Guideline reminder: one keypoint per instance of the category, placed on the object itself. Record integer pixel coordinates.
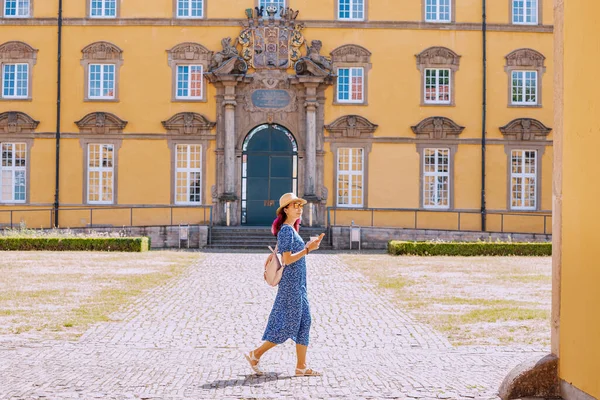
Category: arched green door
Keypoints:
(269, 169)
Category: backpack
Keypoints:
(273, 268)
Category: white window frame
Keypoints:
(188, 170)
(351, 71)
(103, 9)
(350, 173)
(189, 83)
(523, 175)
(102, 82)
(13, 169)
(189, 9)
(533, 12)
(437, 86)
(351, 5)
(437, 12)
(20, 5)
(101, 169)
(14, 87)
(523, 87)
(436, 174)
(279, 3)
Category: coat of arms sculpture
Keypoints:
(270, 42)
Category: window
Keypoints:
(101, 64)
(17, 8)
(525, 11)
(350, 177)
(103, 9)
(15, 81)
(100, 182)
(524, 87)
(437, 11)
(351, 9)
(350, 85)
(436, 178)
(438, 67)
(437, 86)
(523, 179)
(524, 70)
(188, 174)
(12, 172)
(101, 81)
(352, 64)
(277, 3)
(190, 8)
(189, 82)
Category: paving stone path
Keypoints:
(185, 339)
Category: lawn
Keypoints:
(58, 295)
(472, 300)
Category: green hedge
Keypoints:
(138, 244)
(396, 247)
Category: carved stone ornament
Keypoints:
(270, 91)
(234, 65)
(188, 123)
(17, 51)
(269, 42)
(437, 128)
(17, 122)
(525, 129)
(351, 53)
(351, 126)
(102, 51)
(191, 52)
(525, 58)
(229, 51)
(101, 123)
(438, 56)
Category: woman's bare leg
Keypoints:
(301, 355)
(266, 346)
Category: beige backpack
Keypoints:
(273, 267)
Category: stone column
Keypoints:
(229, 151)
(311, 105)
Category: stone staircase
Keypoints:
(254, 237)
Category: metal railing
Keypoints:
(545, 218)
(126, 214)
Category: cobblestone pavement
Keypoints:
(184, 340)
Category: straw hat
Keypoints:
(287, 199)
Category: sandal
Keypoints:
(307, 372)
(250, 357)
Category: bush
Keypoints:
(11, 243)
(396, 247)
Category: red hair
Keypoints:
(278, 223)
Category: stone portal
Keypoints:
(264, 80)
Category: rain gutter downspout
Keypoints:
(58, 113)
(484, 117)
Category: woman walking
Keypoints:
(290, 316)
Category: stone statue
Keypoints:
(313, 54)
(245, 39)
(229, 51)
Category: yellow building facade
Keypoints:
(176, 111)
(576, 328)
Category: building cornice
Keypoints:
(234, 22)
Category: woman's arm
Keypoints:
(289, 258)
(311, 245)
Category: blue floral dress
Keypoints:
(290, 316)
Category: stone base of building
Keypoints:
(162, 237)
(376, 238)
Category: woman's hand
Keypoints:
(313, 245)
